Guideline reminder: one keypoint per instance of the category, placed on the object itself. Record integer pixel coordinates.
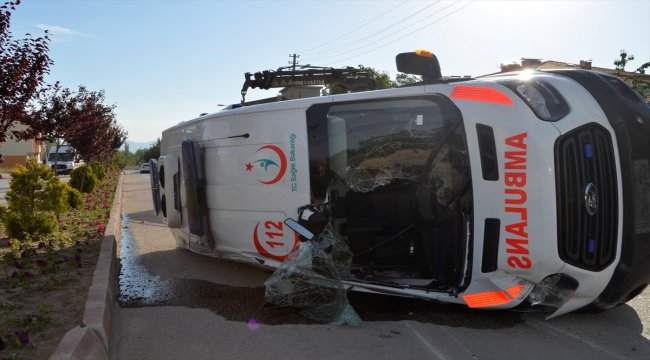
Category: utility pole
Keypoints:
(294, 62)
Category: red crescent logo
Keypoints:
(283, 164)
(266, 253)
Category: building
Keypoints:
(16, 152)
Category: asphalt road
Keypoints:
(4, 187)
(174, 304)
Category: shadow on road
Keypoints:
(162, 287)
(241, 303)
(146, 217)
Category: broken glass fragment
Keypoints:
(311, 278)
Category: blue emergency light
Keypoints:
(591, 246)
(589, 152)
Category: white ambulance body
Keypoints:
(522, 190)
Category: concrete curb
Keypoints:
(90, 340)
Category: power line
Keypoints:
(356, 29)
(351, 43)
(342, 47)
(410, 33)
(339, 53)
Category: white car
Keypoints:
(519, 190)
(144, 168)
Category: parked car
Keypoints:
(144, 168)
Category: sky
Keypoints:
(165, 61)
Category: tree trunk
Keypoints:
(83, 178)
(56, 158)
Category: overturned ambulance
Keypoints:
(526, 190)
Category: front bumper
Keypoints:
(630, 119)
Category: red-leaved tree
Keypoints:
(79, 118)
(23, 65)
(96, 134)
(52, 118)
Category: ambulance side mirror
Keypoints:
(421, 63)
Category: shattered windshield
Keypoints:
(390, 183)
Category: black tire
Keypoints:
(595, 307)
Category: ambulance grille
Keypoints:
(587, 203)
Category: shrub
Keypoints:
(119, 161)
(83, 179)
(98, 169)
(34, 201)
(74, 196)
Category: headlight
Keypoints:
(545, 101)
(552, 292)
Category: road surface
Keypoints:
(4, 187)
(175, 304)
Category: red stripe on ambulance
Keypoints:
(516, 202)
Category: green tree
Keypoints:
(119, 160)
(641, 86)
(35, 199)
(382, 81)
(402, 79)
(381, 78)
(98, 169)
(74, 197)
(138, 157)
(153, 152)
(83, 179)
(124, 157)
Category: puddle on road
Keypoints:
(139, 288)
(136, 283)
